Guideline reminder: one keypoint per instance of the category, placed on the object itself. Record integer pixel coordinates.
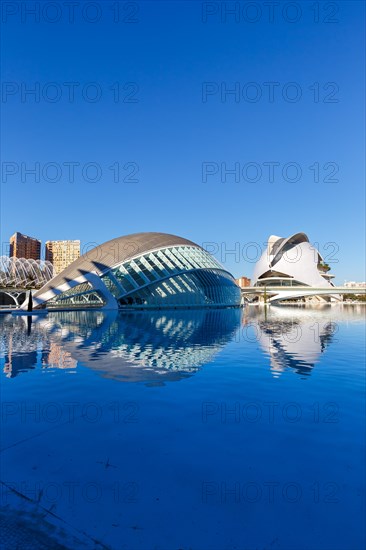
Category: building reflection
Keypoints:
(28, 346)
(151, 347)
(58, 358)
(20, 352)
(293, 338)
(157, 346)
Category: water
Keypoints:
(225, 429)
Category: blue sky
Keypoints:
(174, 134)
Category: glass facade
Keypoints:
(279, 282)
(173, 276)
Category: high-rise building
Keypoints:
(243, 282)
(61, 253)
(23, 246)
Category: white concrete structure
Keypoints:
(291, 262)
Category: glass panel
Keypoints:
(123, 280)
(146, 272)
(198, 288)
(135, 276)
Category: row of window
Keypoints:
(174, 276)
(279, 282)
(204, 287)
(156, 265)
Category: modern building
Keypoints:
(23, 246)
(292, 261)
(243, 282)
(143, 270)
(61, 253)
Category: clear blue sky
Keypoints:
(168, 54)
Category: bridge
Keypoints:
(273, 294)
(270, 294)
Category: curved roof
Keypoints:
(294, 239)
(114, 252)
(303, 268)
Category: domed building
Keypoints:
(292, 261)
(143, 270)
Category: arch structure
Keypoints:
(11, 298)
(143, 270)
(24, 273)
(292, 262)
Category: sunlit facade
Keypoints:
(144, 270)
(23, 246)
(61, 253)
(291, 262)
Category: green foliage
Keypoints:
(323, 266)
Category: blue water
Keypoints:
(228, 429)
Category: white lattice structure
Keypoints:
(24, 273)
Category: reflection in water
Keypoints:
(293, 337)
(153, 346)
(136, 346)
(159, 346)
(24, 344)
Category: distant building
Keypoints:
(353, 284)
(61, 253)
(243, 282)
(23, 246)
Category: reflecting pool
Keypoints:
(167, 430)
